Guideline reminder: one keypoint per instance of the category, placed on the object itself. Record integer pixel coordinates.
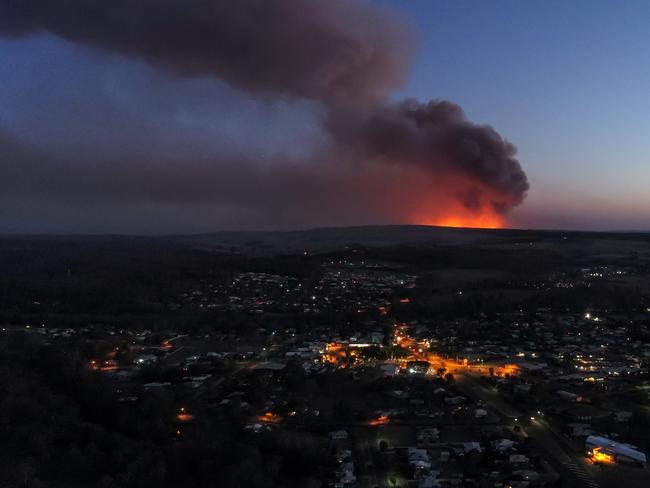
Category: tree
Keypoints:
(342, 412)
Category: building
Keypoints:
(602, 449)
(417, 367)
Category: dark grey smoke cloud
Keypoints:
(307, 48)
(346, 54)
(438, 137)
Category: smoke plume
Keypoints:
(346, 55)
(437, 137)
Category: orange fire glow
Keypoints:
(481, 220)
(269, 418)
(476, 222)
(600, 457)
(446, 210)
(104, 366)
(183, 416)
(381, 420)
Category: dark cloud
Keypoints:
(315, 49)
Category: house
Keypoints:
(568, 396)
(471, 446)
(502, 445)
(518, 459)
(345, 475)
(268, 366)
(156, 385)
(417, 367)
(339, 435)
(455, 400)
(145, 359)
(480, 413)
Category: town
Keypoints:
(364, 369)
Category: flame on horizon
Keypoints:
(446, 212)
(481, 221)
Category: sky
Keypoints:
(566, 82)
(156, 130)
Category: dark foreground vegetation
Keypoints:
(63, 425)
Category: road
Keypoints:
(569, 463)
(473, 388)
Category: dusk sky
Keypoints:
(108, 124)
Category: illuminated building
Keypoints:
(604, 450)
(417, 367)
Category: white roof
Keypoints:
(268, 365)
